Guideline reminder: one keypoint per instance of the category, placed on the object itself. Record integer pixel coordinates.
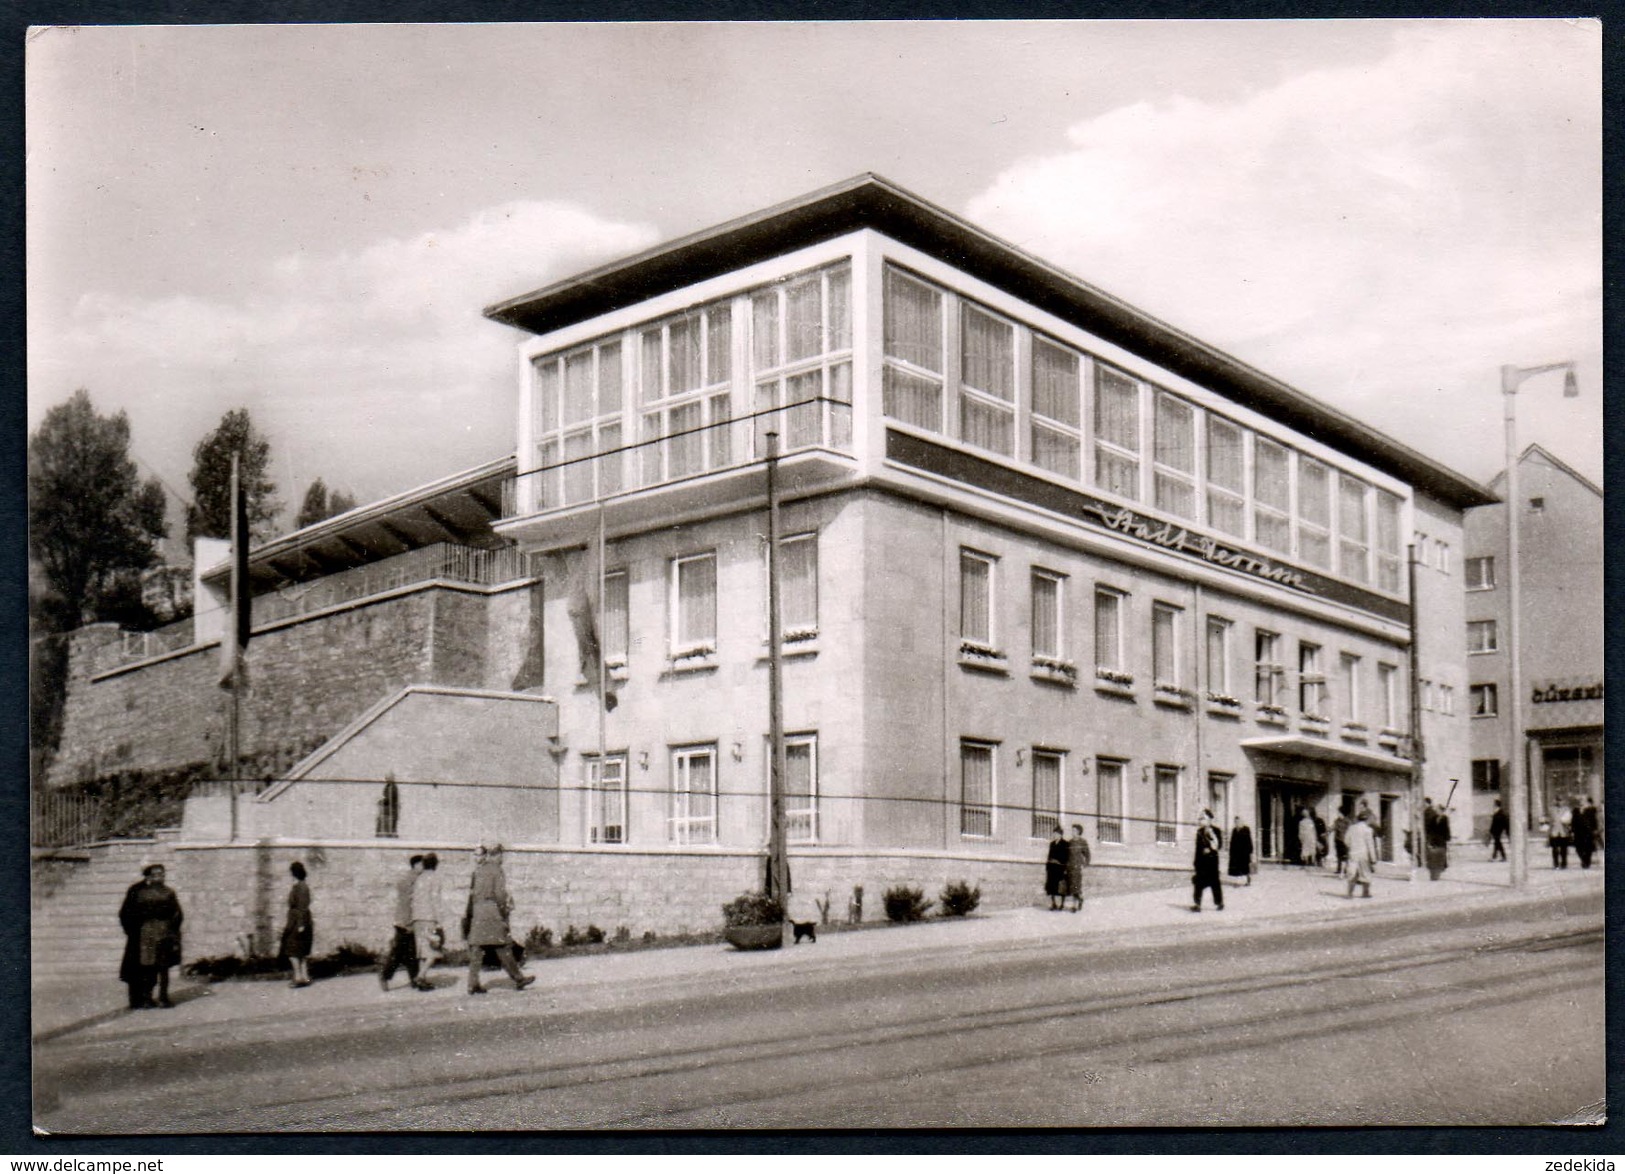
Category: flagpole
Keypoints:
(777, 866)
(234, 721)
(603, 662)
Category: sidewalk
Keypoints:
(1278, 894)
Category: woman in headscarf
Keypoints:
(298, 932)
(151, 918)
(486, 921)
(1055, 868)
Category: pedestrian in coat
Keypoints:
(1557, 838)
(1241, 852)
(1208, 842)
(1499, 828)
(1435, 838)
(1055, 869)
(1077, 858)
(1306, 838)
(1362, 842)
(486, 921)
(299, 930)
(1594, 821)
(403, 950)
(1340, 845)
(151, 918)
(1584, 838)
(427, 900)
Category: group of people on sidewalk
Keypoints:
(419, 936)
(1570, 825)
(1063, 868)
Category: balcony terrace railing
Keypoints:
(442, 561)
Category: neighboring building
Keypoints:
(1043, 559)
(1560, 633)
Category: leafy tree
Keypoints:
(319, 504)
(209, 515)
(92, 524)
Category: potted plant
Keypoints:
(754, 921)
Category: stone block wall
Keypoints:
(237, 894)
(307, 679)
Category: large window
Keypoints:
(1117, 432)
(1109, 608)
(694, 605)
(1482, 636)
(1057, 422)
(616, 613)
(1109, 800)
(1267, 669)
(1047, 770)
(1165, 658)
(1388, 531)
(1314, 513)
(1218, 656)
(987, 381)
(693, 813)
(1311, 681)
(1272, 495)
(1481, 573)
(912, 380)
(1353, 529)
(800, 788)
(685, 372)
(798, 587)
(801, 360)
(1167, 799)
(1226, 477)
(975, 788)
(976, 584)
(606, 799)
(577, 401)
(1174, 456)
(1484, 700)
(1349, 685)
(1048, 630)
(1486, 774)
(1388, 695)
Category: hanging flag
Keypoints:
(586, 588)
(235, 639)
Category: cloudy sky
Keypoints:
(307, 221)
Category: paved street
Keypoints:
(1432, 1003)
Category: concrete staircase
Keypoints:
(74, 905)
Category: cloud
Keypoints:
(371, 367)
(1366, 233)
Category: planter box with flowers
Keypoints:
(1271, 715)
(800, 641)
(701, 656)
(1172, 695)
(1114, 682)
(973, 655)
(753, 921)
(1223, 705)
(1055, 671)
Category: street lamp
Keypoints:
(1518, 783)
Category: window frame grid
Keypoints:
(831, 416)
(1058, 653)
(1483, 627)
(679, 648)
(988, 642)
(1046, 819)
(1111, 820)
(597, 790)
(1166, 831)
(974, 812)
(680, 820)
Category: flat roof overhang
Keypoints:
(459, 508)
(1320, 750)
(871, 201)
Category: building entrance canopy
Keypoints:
(1302, 746)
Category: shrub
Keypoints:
(572, 937)
(906, 904)
(594, 934)
(753, 909)
(957, 899)
(538, 938)
(623, 934)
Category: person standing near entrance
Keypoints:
(403, 951)
(1307, 847)
(1584, 837)
(1557, 836)
(1362, 845)
(151, 919)
(1241, 852)
(1499, 828)
(1207, 864)
(1435, 838)
(486, 921)
(1340, 831)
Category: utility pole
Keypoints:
(778, 873)
(1418, 755)
(236, 588)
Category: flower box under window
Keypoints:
(1223, 703)
(1165, 694)
(1272, 714)
(1055, 670)
(974, 655)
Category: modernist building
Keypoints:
(1044, 559)
(1560, 633)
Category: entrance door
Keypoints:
(1385, 816)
